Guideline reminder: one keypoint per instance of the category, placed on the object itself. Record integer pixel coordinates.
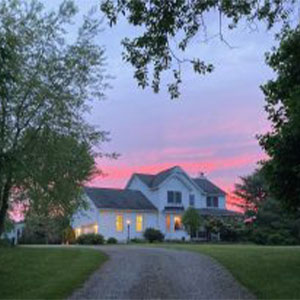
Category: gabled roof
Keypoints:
(118, 199)
(218, 212)
(153, 181)
(208, 187)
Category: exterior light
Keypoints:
(128, 230)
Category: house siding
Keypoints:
(107, 223)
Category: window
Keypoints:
(174, 197)
(119, 223)
(168, 222)
(192, 199)
(212, 202)
(177, 223)
(170, 197)
(178, 197)
(77, 232)
(215, 202)
(139, 223)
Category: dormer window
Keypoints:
(212, 202)
(174, 197)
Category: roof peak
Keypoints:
(103, 188)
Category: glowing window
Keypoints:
(177, 223)
(77, 232)
(139, 223)
(168, 222)
(96, 228)
(119, 222)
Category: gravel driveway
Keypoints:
(153, 273)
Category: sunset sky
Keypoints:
(210, 129)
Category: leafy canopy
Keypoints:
(282, 143)
(46, 83)
(253, 190)
(169, 27)
(192, 221)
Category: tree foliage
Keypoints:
(282, 143)
(58, 165)
(169, 27)
(252, 190)
(192, 221)
(45, 85)
(275, 225)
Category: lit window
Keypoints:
(168, 222)
(192, 200)
(96, 228)
(77, 232)
(119, 222)
(177, 223)
(139, 223)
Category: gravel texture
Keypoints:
(135, 272)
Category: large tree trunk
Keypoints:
(4, 204)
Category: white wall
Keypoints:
(179, 183)
(107, 223)
(85, 217)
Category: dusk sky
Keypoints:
(210, 129)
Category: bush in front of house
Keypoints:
(138, 241)
(112, 240)
(153, 235)
(69, 236)
(5, 242)
(90, 239)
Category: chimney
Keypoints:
(201, 175)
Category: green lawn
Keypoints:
(269, 272)
(45, 273)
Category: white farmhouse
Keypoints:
(156, 201)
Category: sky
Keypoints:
(211, 128)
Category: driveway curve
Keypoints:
(135, 272)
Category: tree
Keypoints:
(168, 27)
(275, 225)
(192, 221)
(282, 143)
(59, 166)
(213, 225)
(252, 190)
(45, 83)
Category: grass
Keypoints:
(270, 272)
(45, 273)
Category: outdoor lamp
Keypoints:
(128, 230)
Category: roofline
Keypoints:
(136, 175)
(190, 179)
(223, 193)
(103, 188)
(129, 209)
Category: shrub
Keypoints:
(69, 235)
(90, 239)
(153, 235)
(5, 243)
(138, 241)
(112, 240)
